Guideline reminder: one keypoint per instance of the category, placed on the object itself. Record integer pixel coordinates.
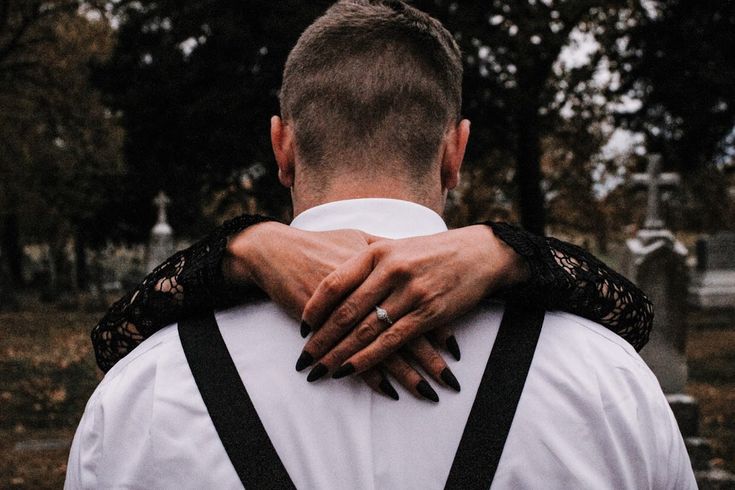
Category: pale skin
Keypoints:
(333, 280)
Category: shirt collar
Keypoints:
(389, 218)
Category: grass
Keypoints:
(47, 373)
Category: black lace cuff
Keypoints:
(566, 277)
(188, 282)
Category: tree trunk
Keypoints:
(12, 252)
(80, 255)
(528, 174)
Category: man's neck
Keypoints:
(360, 190)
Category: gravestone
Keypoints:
(656, 261)
(161, 245)
(713, 284)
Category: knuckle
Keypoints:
(316, 345)
(331, 359)
(403, 370)
(399, 269)
(437, 364)
(366, 333)
(344, 317)
(429, 357)
(378, 249)
(332, 283)
(430, 310)
(420, 290)
(391, 340)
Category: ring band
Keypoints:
(383, 315)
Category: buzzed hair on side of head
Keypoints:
(369, 82)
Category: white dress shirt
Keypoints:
(591, 415)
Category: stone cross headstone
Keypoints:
(161, 245)
(654, 181)
(656, 261)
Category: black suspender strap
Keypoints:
(255, 459)
(496, 401)
(230, 408)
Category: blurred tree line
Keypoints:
(191, 85)
(60, 146)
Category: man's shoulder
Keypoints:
(587, 351)
(144, 358)
(571, 330)
(590, 329)
(166, 341)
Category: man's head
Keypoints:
(371, 94)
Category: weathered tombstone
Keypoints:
(713, 284)
(656, 261)
(161, 245)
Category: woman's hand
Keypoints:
(288, 264)
(423, 283)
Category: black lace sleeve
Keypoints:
(189, 281)
(566, 277)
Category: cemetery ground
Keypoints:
(47, 372)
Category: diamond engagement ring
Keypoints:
(383, 315)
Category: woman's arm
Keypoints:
(192, 280)
(282, 263)
(566, 277)
(189, 281)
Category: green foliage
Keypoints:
(197, 81)
(679, 63)
(61, 146)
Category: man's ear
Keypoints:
(455, 144)
(282, 142)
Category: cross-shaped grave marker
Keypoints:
(162, 201)
(654, 181)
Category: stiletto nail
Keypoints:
(304, 361)
(448, 377)
(453, 347)
(316, 373)
(344, 370)
(305, 329)
(427, 391)
(388, 389)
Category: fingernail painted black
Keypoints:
(304, 361)
(316, 373)
(449, 378)
(344, 370)
(388, 389)
(453, 347)
(427, 391)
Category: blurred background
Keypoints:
(610, 124)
